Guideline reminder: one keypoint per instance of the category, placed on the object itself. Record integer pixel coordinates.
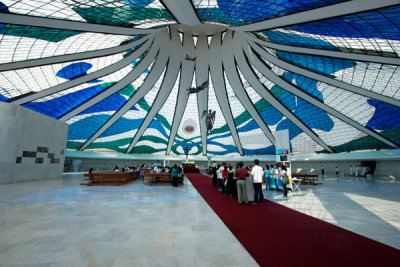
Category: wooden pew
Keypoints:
(307, 178)
(110, 178)
(160, 178)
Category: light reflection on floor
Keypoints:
(369, 207)
(60, 223)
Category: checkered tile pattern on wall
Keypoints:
(40, 155)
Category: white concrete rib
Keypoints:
(237, 86)
(185, 82)
(131, 76)
(183, 11)
(327, 53)
(260, 66)
(79, 26)
(175, 60)
(266, 94)
(70, 57)
(86, 78)
(217, 77)
(147, 85)
(336, 10)
(202, 75)
(319, 77)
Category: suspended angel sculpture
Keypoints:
(195, 90)
(210, 119)
(190, 58)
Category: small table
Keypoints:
(296, 182)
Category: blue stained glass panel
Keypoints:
(85, 128)
(57, 107)
(138, 3)
(3, 9)
(298, 40)
(386, 116)
(259, 10)
(4, 99)
(75, 70)
(382, 23)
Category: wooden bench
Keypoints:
(307, 178)
(110, 178)
(160, 178)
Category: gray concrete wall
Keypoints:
(32, 145)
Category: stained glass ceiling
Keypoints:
(219, 77)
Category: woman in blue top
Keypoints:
(267, 176)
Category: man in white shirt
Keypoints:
(258, 174)
(157, 169)
(219, 176)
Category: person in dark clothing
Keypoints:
(214, 176)
(229, 183)
(175, 175)
(241, 175)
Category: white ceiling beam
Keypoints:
(86, 78)
(32, 21)
(237, 86)
(183, 11)
(266, 94)
(131, 76)
(218, 81)
(328, 53)
(70, 57)
(319, 77)
(336, 10)
(185, 82)
(269, 74)
(175, 60)
(202, 75)
(147, 85)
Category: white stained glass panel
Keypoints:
(14, 48)
(40, 78)
(341, 133)
(303, 144)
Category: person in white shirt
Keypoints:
(363, 171)
(258, 174)
(282, 173)
(157, 169)
(351, 170)
(219, 176)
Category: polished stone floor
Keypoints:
(369, 207)
(59, 223)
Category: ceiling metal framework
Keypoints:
(183, 42)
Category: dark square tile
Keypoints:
(54, 161)
(19, 160)
(42, 149)
(29, 154)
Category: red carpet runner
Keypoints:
(278, 236)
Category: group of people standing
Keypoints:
(359, 171)
(236, 180)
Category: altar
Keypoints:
(188, 163)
